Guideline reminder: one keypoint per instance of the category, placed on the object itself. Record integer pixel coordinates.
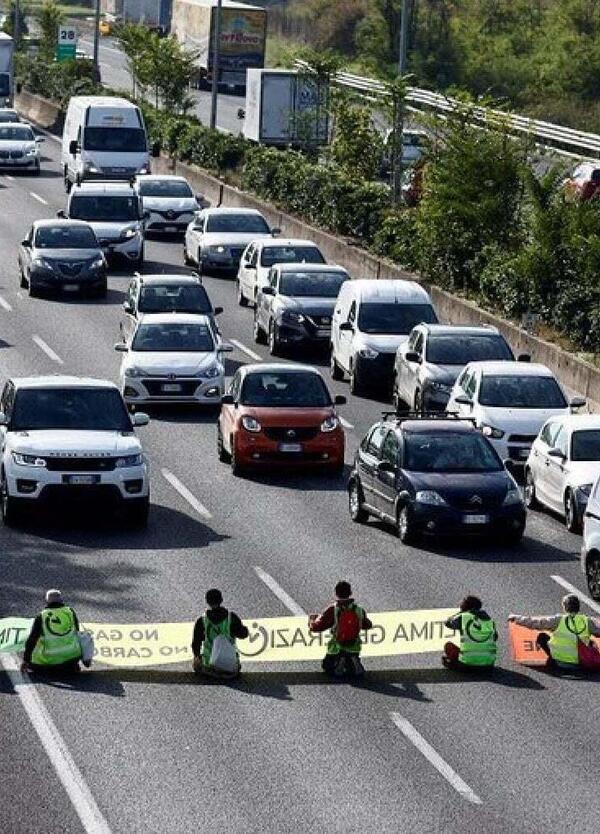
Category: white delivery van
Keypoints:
(103, 138)
(370, 321)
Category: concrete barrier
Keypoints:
(40, 111)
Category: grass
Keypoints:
(280, 51)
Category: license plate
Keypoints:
(290, 447)
(323, 333)
(475, 519)
(170, 229)
(170, 387)
(81, 480)
(523, 453)
(71, 287)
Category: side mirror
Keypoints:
(127, 307)
(464, 400)
(225, 348)
(26, 244)
(340, 400)
(3, 419)
(121, 347)
(200, 199)
(509, 465)
(251, 266)
(268, 290)
(412, 356)
(217, 311)
(140, 419)
(275, 231)
(227, 399)
(73, 147)
(524, 357)
(346, 326)
(39, 139)
(62, 214)
(577, 402)
(555, 453)
(386, 466)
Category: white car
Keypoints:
(260, 255)
(19, 147)
(168, 202)
(215, 240)
(172, 358)
(590, 551)
(510, 402)
(65, 439)
(563, 465)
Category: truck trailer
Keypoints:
(155, 14)
(6, 70)
(241, 44)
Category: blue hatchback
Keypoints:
(435, 476)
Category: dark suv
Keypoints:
(438, 476)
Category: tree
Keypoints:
(357, 146)
(49, 18)
(9, 23)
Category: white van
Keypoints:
(103, 138)
(370, 321)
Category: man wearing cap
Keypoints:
(53, 641)
(346, 620)
(566, 629)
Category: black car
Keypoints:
(434, 476)
(296, 308)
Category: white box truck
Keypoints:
(104, 138)
(6, 70)
(285, 107)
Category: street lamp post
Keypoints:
(16, 26)
(404, 30)
(215, 66)
(97, 41)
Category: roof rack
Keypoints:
(401, 417)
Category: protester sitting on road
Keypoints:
(566, 631)
(478, 637)
(213, 643)
(346, 620)
(53, 641)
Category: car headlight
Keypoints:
(127, 234)
(145, 169)
(290, 315)
(368, 353)
(129, 460)
(98, 263)
(513, 496)
(211, 373)
(429, 496)
(439, 386)
(216, 250)
(250, 424)
(90, 168)
(134, 372)
(42, 263)
(28, 460)
(32, 150)
(490, 431)
(585, 489)
(330, 423)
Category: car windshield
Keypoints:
(449, 452)
(237, 223)
(121, 139)
(393, 319)
(168, 298)
(104, 207)
(16, 133)
(174, 337)
(291, 255)
(65, 237)
(285, 389)
(312, 284)
(521, 392)
(462, 349)
(165, 188)
(8, 116)
(84, 409)
(585, 445)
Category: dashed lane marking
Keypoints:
(345, 423)
(281, 595)
(434, 758)
(5, 305)
(246, 350)
(9, 177)
(92, 819)
(186, 494)
(47, 350)
(38, 198)
(573, 590)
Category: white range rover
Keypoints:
(64, 439)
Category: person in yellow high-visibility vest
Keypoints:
(566, 629)
(53, 641)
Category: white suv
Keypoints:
(64, 439)
(590, 551)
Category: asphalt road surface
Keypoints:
(412, 748)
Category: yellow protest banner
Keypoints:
(271, 639)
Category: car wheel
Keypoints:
(592, 575)
(102, 290)
(418, 402)
(37, 170)
(274, 343)
(138, 510)
(222, 452)
(68, 183)
(139, 262)
(241, 298)
(9, 506)
(513, 537)
(199, 264)
(236, 470)
(23, 282)
(186, 258)
(572, 513)
(257, 331)
(399, 404)
(529, 490)
(34, 292)
(358, 514)
(356, 383)
(334, 369)
(405, 526)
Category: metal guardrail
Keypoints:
(565, 139)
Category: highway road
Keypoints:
(411, 748)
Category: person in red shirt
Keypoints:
(346, 620)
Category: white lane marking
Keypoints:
(47, 133)
(38, 198)
(186, 494)
(573, 590)
(345, 423)
(20, 294)
(9, 177)
(246, 350)
(5, 305)
(434, 758)
(281, 595)
(47, 350)
(92, 819)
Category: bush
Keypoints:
(397, 238)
